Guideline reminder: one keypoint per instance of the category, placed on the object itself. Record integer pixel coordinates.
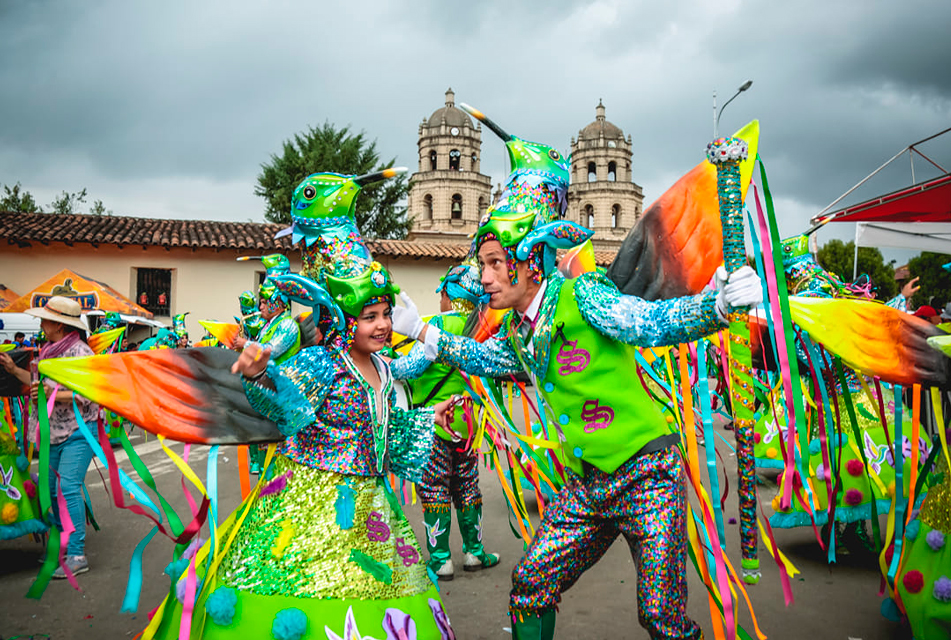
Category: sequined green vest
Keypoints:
(422, 386)
(591, 387)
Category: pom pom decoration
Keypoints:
(30, 488)
(732, 520)
(757, 437)
(289, 624)
(911, 531)
(890, 610)
(221, 605)
(935, 539)
(9, 513)
(855, 467)
(942, 589)
(853, 497)
(913, 581)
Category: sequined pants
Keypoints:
(451, 477)
(645, 501)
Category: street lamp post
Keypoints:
(716, 123)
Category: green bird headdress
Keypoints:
(338, 267)
(533, 203)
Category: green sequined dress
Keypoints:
(321, 549)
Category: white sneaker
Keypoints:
(445, 571)
(474, 563)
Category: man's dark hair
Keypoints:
(18, 336)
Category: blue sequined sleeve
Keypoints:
(285, 336)
(642, 323)
(492, 358)
(297, 388)
(410, 440)
(414, 363)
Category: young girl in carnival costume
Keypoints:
(321, 547)
(571, 335)
(452, 477)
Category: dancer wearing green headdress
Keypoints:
(452, 478)
(179, 329)
(573, 337)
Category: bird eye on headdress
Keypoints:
(309, 192)
(554, 155)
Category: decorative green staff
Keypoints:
(726, 154)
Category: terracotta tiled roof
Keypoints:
(21, 228)
(122, 230)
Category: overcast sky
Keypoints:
(168, 109)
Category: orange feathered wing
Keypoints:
(874, 339)
(677, 245)
(189, 395)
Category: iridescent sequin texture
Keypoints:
(452, 477)
(645, 501)
(291, 545)
(326, 414)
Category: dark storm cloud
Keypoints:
(195, 96)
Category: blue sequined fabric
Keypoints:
(624, 318)
(642, 323)
(326, 414)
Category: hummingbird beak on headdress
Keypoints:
(377, 176)
(481, 117)
(284, 232)
(817, 226)
(246, 258)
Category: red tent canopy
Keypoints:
(925, 202)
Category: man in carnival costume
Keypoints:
(453, 475)
(574, 337)
(276, 328)
(250, 320)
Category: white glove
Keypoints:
(742, 288)
(406, 319)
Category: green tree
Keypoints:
(379, 208)
(839, 258)
(934, 282)
(18, 200)
(68, 203)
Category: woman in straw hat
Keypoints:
(70, 454)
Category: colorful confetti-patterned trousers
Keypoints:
(645, 501)
(450, 478)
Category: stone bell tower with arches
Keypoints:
(448, 195)
(602, 195)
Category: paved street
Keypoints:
(831, 603)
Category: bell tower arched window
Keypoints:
(592, 172)
(612, 171)
(432, 160)
(454, 157)
(456, 209)
(428, 206)
(588, 218)
(615, 216)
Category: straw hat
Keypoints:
(61, 309)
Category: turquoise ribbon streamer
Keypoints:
(707, 419)
(133, 588)
(900, 502)
(127, 483)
